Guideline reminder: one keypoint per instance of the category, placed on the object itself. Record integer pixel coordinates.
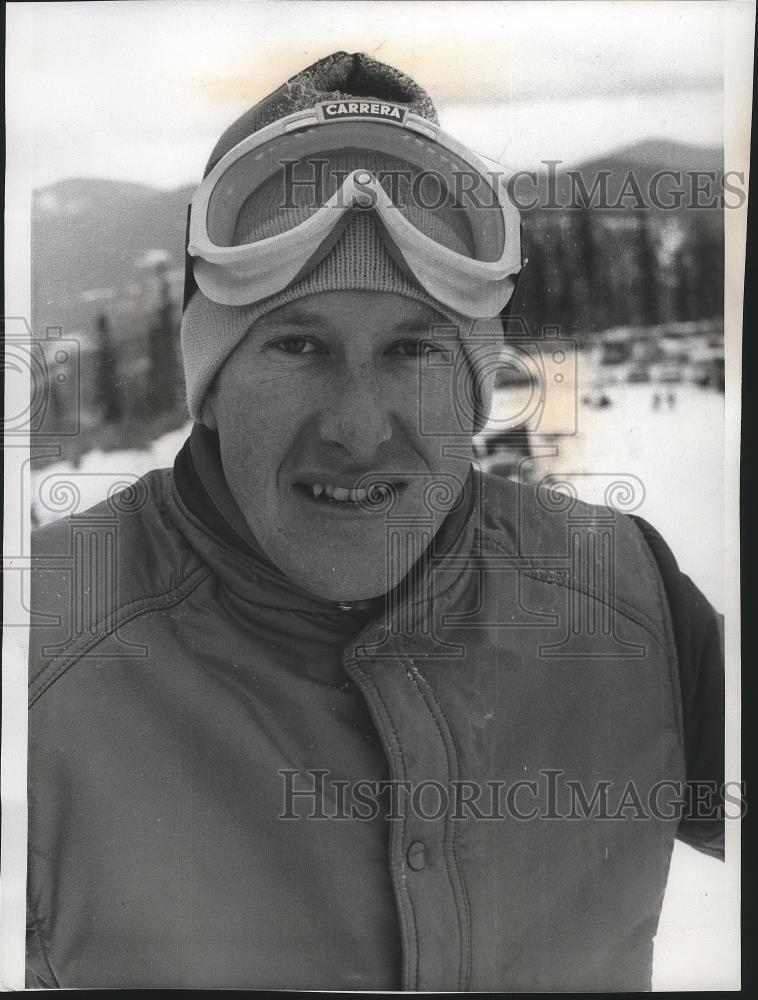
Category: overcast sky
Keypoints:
(140, 91)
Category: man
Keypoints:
(323, 707)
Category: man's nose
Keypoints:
(358, 418)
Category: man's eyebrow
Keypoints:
(295, 316)
(421, 326)
(301, 316)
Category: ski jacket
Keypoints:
(471, 785)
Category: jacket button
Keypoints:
(416, 856)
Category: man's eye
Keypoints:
(295, 345)
(420, 348)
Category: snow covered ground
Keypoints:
(698, 940)
(61, 488)
(676, 453)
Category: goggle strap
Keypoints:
(507, 310)
(190, 285)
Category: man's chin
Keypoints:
(343, 558)
(344, 576)
(343, 584)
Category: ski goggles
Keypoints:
(440, 175)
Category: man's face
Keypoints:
(325, 396)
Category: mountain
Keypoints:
(664, 177)
(661, 154)
(89, 234)
(655, 174)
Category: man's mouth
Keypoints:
(338, 493)
(377, 495)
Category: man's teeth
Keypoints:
(338, 493)
(341, 494)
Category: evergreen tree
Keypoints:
(108, 392)
(163, 378)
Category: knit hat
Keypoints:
(358, 260)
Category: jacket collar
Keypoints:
(232, 552)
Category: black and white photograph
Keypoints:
(371, 597)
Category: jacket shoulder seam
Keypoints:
(599, 594)
(122, 614)
(562, 578)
